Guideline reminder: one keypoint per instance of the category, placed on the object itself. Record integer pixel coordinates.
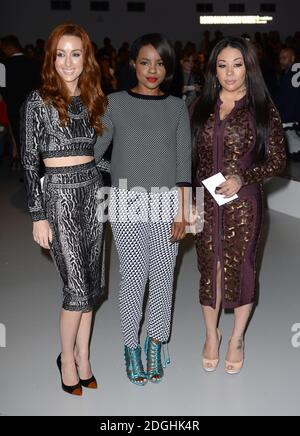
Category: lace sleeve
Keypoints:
(275, 160)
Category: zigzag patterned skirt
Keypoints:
(77, 246)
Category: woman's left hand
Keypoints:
(231, 187)
(178, 229)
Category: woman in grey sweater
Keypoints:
(150, 166)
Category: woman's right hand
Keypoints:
(42, 234)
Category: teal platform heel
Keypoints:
(134, 366)
(155, 366)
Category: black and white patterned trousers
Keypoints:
(141, 226)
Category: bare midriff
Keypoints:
(67, 161)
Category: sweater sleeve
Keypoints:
(183, 149)
(103, 141)
(275, 160)
(32, 134)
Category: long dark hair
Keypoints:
(258, 97)
(163, 47)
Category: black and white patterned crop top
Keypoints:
(43, 136)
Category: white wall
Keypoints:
(178, 19)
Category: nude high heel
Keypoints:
(210, 365)
(234, 367)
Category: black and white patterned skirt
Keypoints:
(77, 246)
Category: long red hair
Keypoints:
(54, 90)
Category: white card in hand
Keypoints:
(211, 183)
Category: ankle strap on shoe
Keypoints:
(166, 360)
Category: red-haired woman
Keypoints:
(60, 124)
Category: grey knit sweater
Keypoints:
(151, 140)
